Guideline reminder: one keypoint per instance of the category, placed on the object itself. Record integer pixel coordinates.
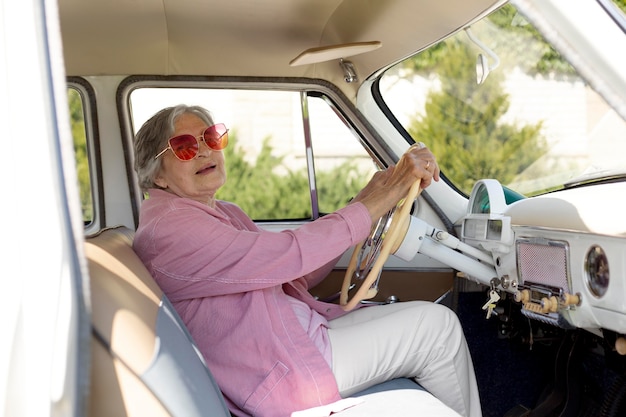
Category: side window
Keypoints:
(342, 165)
(77, 123)
(265, 162)
(267, 159)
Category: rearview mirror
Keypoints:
(482, 63)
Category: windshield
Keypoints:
(532, 123)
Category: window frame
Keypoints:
(92, 137)
(339, 104)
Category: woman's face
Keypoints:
(199, 178)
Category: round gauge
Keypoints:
(597, 271)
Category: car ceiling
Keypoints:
(250, 37)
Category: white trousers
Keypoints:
(417, 339)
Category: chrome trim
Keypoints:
(310, 163)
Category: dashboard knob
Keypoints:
(441, 235)
(571, 299)
(549, 305)
(620, 345)
(522, 296)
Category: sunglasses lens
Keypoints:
(216, 136)
(185, 147)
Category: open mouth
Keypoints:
(205, 169)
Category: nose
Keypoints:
(203, 148)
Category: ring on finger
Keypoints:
(427, 165)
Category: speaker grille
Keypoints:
(543, 263)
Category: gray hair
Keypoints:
(152, 139)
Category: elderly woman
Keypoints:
(242, 291)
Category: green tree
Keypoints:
(77, 123)
(337, 186)
(521, 39)
(462, 126)
(267, 190)
(621, 4)
(259, 190)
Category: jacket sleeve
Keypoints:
(200, 255)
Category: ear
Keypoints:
(160, 181)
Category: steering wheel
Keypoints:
(370, 255)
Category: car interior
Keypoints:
(318, 96)
(105, 49)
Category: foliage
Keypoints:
(336, 187)
(542, 56)
(461, 124)
(258, 189)
(267, 190)
(621, 4)
(77, 123)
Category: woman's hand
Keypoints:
(417, 163)
(388, 187)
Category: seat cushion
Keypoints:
(400, 397)
(394, 384)
(144, 361)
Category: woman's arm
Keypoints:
(198, 255)
(320, 274)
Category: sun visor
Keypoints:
(332, 52)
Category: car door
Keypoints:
(44, 321)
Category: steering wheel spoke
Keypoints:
(369, 256)
(370, 249)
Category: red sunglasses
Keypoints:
(186, 147)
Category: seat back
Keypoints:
(144, 362)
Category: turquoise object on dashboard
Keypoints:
(511, 196)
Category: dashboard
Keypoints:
(561, 255)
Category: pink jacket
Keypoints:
(228, 280)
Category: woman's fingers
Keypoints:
(388, 187)
(418, 163)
